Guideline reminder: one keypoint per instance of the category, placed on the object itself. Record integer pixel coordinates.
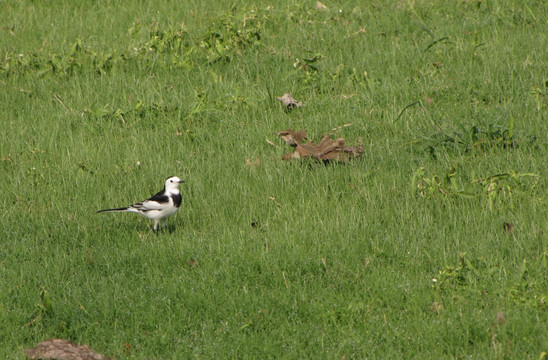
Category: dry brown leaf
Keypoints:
(193, 263)
(326, 150)
(436, 307)
(340, 127)
(271, 143)
(288, 101)
(320, 6)
(500, 318)
(62, 349)
(327, 145)
(252, 163)
(508, 227)
(304, 150)
(292, 138)
(289, 156)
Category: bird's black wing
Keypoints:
(160, 198)
(156, 202)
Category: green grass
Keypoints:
(401, 253)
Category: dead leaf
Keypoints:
(327, 145)
(320, 6)
(508, 227)
(193, 263)
(252, 163)
(61, 349)
(500, 318)
(285, 280)
(288, 101)
(340, 127)
(436, 307)
(275, 201)
(326, 150)
(429, 100)
(271, 143)
(289, 156)
(292, 138)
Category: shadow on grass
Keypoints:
(139, 227)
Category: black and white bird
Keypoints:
(160, 206)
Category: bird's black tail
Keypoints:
(113, 210)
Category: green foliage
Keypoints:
(470, 138)
(496, 188)
(451, 278)
(528, 290)
(77, 59)
(524, 288)
(139, 110)
(226, 36)
(229, 35)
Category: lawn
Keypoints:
(431, 244)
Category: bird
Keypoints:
(160, 206)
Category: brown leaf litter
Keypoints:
(62, 349)
(326, 150)
(320, 6)
(508, 227)
(253, 163)
(292, 138)
(288, 101)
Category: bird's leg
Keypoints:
(156, 222)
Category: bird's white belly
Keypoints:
(159, 214)
(170, 212)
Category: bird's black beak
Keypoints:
(181, 181)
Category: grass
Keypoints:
(400, 253)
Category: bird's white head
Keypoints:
(172, 183)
